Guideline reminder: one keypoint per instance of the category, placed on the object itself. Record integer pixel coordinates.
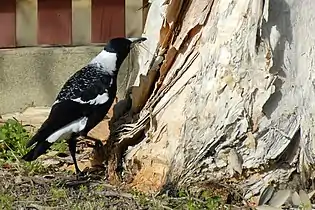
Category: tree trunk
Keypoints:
(224, 93)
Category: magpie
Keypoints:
(83, 101)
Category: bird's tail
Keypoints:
(40, 148)
(39, 136)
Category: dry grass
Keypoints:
(35, 186)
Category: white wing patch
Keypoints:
(64, 132)
(100, 99)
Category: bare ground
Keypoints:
(59, 190)
(50, 183)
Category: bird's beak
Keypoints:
(137, 40)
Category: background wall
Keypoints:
(43, 43)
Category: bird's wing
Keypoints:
(77, 98)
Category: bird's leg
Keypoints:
(72, 149)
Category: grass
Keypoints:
(60, 146)
(6, 201)
(61, 196)
(26, 191)
(183, 199)
(13, 140)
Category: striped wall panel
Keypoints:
(54, 22)
(108, 19)
(7, 23)
(81, 24)
(66, 22)
(26, 23)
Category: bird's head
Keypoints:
(115, 52)
(121, 47)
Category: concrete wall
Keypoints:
(33, 76)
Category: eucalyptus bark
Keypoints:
(225, 92)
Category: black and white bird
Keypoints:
(83, 101)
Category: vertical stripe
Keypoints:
(54, 22)
(145, 11)
(81, 21)
(26, 22)
(133, 18)
(108, 20)
(7, 23)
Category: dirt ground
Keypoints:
(50, 182)
(59, 190)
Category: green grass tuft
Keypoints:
(13, 140)
(60, 146)
(6, 201)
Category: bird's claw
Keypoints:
(81, 175)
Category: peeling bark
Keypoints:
(224, 92)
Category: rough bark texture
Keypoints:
(224, 92)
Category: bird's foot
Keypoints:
(81, 175)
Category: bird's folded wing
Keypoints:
(78, 97)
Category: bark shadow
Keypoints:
(279, 17)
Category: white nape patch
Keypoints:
(64, 132)
(100, 99)
(107, 60)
